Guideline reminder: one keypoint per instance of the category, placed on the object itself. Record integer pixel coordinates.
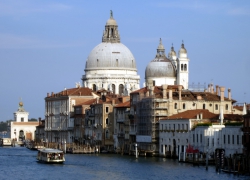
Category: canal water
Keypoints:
(20, 163)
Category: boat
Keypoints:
(48, 155)
(5, 142)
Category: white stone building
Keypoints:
(111, 65)
(202, 130)
(21, 128)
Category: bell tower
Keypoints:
(183, 67)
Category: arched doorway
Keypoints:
(21, 135)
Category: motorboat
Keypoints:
(48, 155)
(5, 142)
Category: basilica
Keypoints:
(112, 66)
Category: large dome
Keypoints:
(110, 56)
(160, 67)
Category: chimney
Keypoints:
(113, 101)
(47, 94)
(222, 89)
(212, 88)
(52, 94)
(209, 90)
(164, 93)
(97, 100)
(179, 89)
(217, 90)
(201, 115)
(170, 94)
(151, 91)
(229, 94)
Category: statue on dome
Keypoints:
(111, 14)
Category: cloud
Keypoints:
(11, 41)
(22, 8)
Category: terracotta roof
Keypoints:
(125, 104)
(82, 91)
(88, 102)
(26, 123)
(192, 114)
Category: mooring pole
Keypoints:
(136, 152)
(207, 160)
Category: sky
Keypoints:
(44, 44)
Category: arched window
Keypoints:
(107, 121)
(94, 87)
(182, 67)
(175, 105)
(216, 106)
(121, 88)
(107, 134)
(185, 67)
(204, 106)
(113, 88)
(184, 106)
(226, 107)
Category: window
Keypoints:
(204, 106)
(226, 107)
(233, 139)
(174, 127)
(113, 88)
(200, 138)
(182, 126)
(213, 142)
(187, 127)
(169, 126)
(179, 127)
(175, 105)
(237, 139)
(107, 121)
(182, 67)
(121, 88)
(185, 67)
(22, 119)
(107, 134)
(107, 109)
(94, 87)
(228, 139)
(216, 106)
(184, 106)
(207, 141)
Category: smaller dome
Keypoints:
(182, 50)
(160, 67)
(172, 52)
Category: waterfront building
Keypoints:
(122, 127)
(111, 65)
(100, 123)
(202, 130)
(40, 133)
(246, 130)
(59, 107)
(21, 128)
(152, 103)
